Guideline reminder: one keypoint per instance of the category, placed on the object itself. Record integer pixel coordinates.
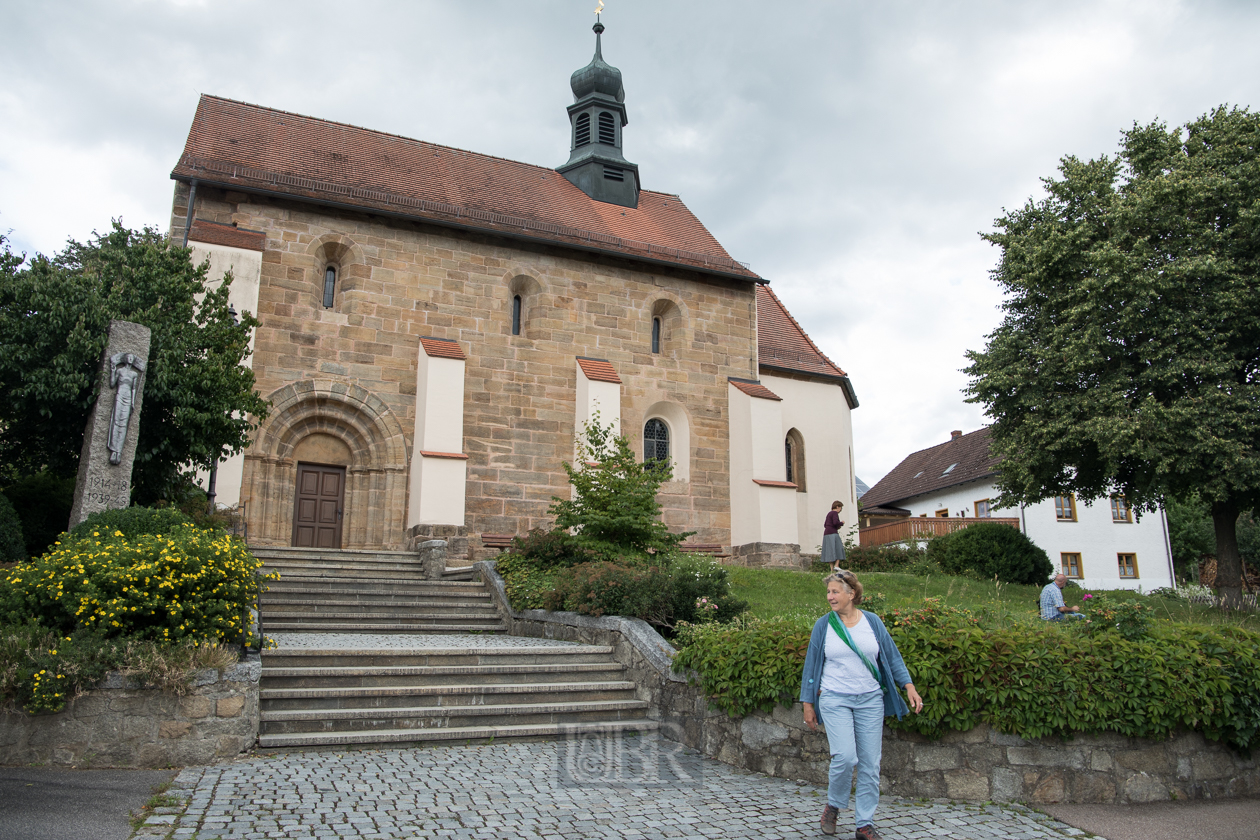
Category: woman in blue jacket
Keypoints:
(851, 678)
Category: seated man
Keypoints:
(1052, 606)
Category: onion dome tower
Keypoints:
(597, 117)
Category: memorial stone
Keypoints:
(109, 441)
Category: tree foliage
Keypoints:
(199, 401)
(614, 511)
(1129, 356)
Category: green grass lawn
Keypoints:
(780, 592)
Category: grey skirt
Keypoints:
(832, 549)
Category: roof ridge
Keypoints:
(403, 137)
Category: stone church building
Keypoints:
(437, 325)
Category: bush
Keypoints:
(991, 550)
(549, 550)
(603, 588)
(132, 522)
(12, 544)
(43, 503)
(695, 577)
(1031, 679)
(188, 584)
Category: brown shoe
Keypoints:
(867, 832)
(829, 819)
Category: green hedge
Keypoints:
(1025, 679)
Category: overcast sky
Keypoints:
(851, 152)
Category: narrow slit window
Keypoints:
(516, 315)
(607, 130)
(656, 335)
(787, 456)
(582, 133)
(330, 286)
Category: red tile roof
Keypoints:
(215, 233)
(237, 145)
(754, 389)
(598, 370)
(442, 348)
(781, 343)
(957, 461)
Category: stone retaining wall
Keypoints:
(979, 765)
(121, 723)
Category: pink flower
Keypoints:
(1086, 596)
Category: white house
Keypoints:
(1103, 545)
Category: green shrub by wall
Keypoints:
(132, 521)
(1025, 679)
(12, 543)
(42, 502)
(991, 550)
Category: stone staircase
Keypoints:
(324, 591)
(386, 657)
(313, 698)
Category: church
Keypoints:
(437, 325)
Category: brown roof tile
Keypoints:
(781, 342)
(216, 233)
(244, 146)
(957, 461)
(598, 370)
(754, 389)
(442, 348)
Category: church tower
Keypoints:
(597, 117)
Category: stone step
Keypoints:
(286, 607)
(351, 587)
(456, 733)
(281, 553)
(513, 714)
(339, 570)
(445, 695)
(313, 625)
(460, 658)
(459, 573)
(421, 675)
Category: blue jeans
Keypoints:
(855, 734)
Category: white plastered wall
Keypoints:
(438, 481)
(246, 267)
(821, 414)
(1093, 535)
(759, 513)
(595, 397)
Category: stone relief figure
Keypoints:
(124, 378)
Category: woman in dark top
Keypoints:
(832, 545)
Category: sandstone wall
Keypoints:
(123, 724)
(398, 281)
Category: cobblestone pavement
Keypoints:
(402, 641)
(636, 787)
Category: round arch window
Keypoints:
(655, 441)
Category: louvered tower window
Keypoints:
(655, 441)
(607, 130)
(330, 286)
(582, 134)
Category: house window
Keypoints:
(330, 286)
(983, 511)
(943, 514)
(1120, 510)
(582, 132)
(1070, 564)
(1128, 565)
(516, 315)
(655, 441)
(1065, 508)
(656, 339)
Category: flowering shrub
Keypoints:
(1129, 618)
(191, 584)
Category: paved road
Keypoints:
(1225, 820)
(640, 788)
(42, 803)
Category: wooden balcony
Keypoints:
(924, 528)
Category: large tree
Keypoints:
(1129, 355)
(199, 400)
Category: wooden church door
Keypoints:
(321, 493)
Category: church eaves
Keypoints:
(248, 148)
(782, 345)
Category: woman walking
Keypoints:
(851, 678)
(832, 545)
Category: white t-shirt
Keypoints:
(843, 671)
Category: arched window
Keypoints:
(787, 452)
(655, 441)
(794, 458)
(656, 335)
(607, 129)
(330, 286)
(582, 130)
(516, 315)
